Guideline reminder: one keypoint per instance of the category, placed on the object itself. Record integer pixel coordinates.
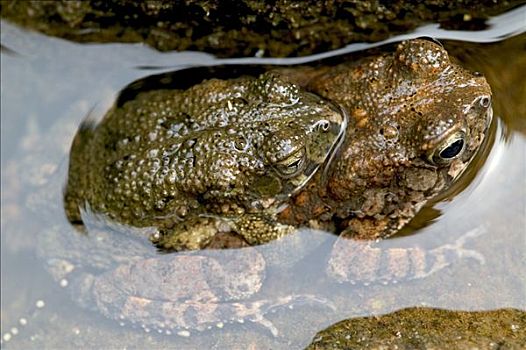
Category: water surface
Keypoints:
(49, 86)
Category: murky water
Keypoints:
(49, 86)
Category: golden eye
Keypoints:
(450, 149)
(292, 165)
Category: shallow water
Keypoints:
(49, 86)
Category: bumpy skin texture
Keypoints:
(406, 108)
(186, 162)
(415, 121)
(180, 160)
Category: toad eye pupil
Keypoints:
(295, 164)
(452, 150)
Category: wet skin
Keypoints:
(356, 149)
(245, 155)
(183, 162)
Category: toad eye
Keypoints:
(450, 149)
(292, 165)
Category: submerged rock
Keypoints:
(426, 328)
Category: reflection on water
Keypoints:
(48, 87)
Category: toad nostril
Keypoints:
(485, 101)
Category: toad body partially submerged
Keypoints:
(245, 154)
(176, 160)
(356, 149)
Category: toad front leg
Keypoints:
(191, 234)
(197, 232)
(260, 228)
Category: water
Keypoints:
(49, 86)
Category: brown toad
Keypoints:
(232, 153)
(415, 121)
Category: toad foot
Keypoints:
(355, 261)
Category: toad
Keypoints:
(356, 149)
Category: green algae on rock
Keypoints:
(425, 328)
(245, 27)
